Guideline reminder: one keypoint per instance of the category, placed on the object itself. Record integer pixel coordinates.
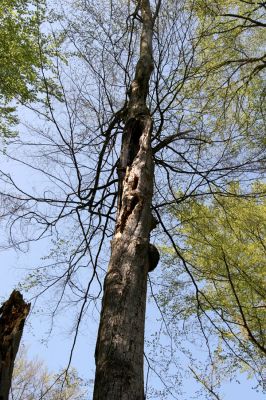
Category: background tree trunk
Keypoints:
(13, 314)
(120, 343)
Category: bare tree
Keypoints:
(31, 380)
(119, 356)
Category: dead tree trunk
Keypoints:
(120, 343)
(12, 318)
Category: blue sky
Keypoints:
(55, 351)
(54, 348)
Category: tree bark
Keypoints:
(120, 343)
(12, 318)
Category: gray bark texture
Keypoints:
(120, 343)
(12, 318)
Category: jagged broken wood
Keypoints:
(13, 314)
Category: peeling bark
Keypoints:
(120, 343)
(12, 318)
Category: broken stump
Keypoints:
(13, 314)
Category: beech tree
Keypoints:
(223, 240)
(106, 162)
(25, 51)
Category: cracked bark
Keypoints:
(13, 314)
(120, 342)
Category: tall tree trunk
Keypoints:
(120, 343)
(13, 314)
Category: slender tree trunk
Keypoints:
(120, 343)
(13, 314)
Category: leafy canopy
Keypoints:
(228, 85)
(223, 244)
(21, 56)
